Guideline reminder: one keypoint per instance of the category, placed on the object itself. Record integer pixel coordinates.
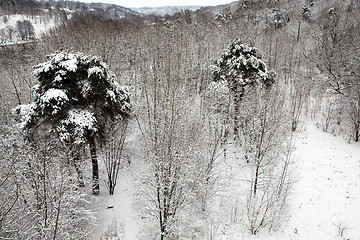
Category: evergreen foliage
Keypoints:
(77, 97)
(240, 66)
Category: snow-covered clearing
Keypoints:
(326, 198)
(324, 203)
(117, 218)
(41, 24)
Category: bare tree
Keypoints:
(298, 96)
(10, 157)
(179, 148)
(10, 32)
(25, 29)
(265, 138)
(39, 199)
(338, 51)
(112, 153)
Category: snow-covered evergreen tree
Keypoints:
(240, 66)
(77, 97)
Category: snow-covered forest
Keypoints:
(239, 121)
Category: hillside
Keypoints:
(239, 121)
(11, 30)
(41, 16)
(162, 11)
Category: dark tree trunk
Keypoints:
(256, 178)
(76, 158)
(238, 96)
(94, 160)
(111, 187)
(357, 134)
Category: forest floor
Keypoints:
(117, 218)
(324, 203)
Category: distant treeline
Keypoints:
(33, 7)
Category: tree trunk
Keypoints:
(238, 96)
(256, 178)
(76, 158)
(94, 160)
(111, 187)
(357, 133)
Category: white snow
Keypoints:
(70, 64)
(121, 217)
(81, 120)
(58, 78)
(53, 93)
(95, 70)
(41, 25)
(162, 11)
(56, 95)
(327, 196)
(24, 111)
(58, 57)
(324, 202)
(218, 88)
(111, 94)
(42, 68)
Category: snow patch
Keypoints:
(95, 70)
(81, 121)
(54, 98)
(42, 68)
(111, 95)
(41, 25)
(24, 112)
(70, 64)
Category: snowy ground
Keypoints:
(326, 199)
(41, 25)
(116, 214)
(324, 203)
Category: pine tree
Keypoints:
(77, 98)
(238, 67)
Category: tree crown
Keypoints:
(241, 65)
(77, 95)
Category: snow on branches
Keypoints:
(74, 92)
(54, 99)
(241, 65)
(80, 122)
